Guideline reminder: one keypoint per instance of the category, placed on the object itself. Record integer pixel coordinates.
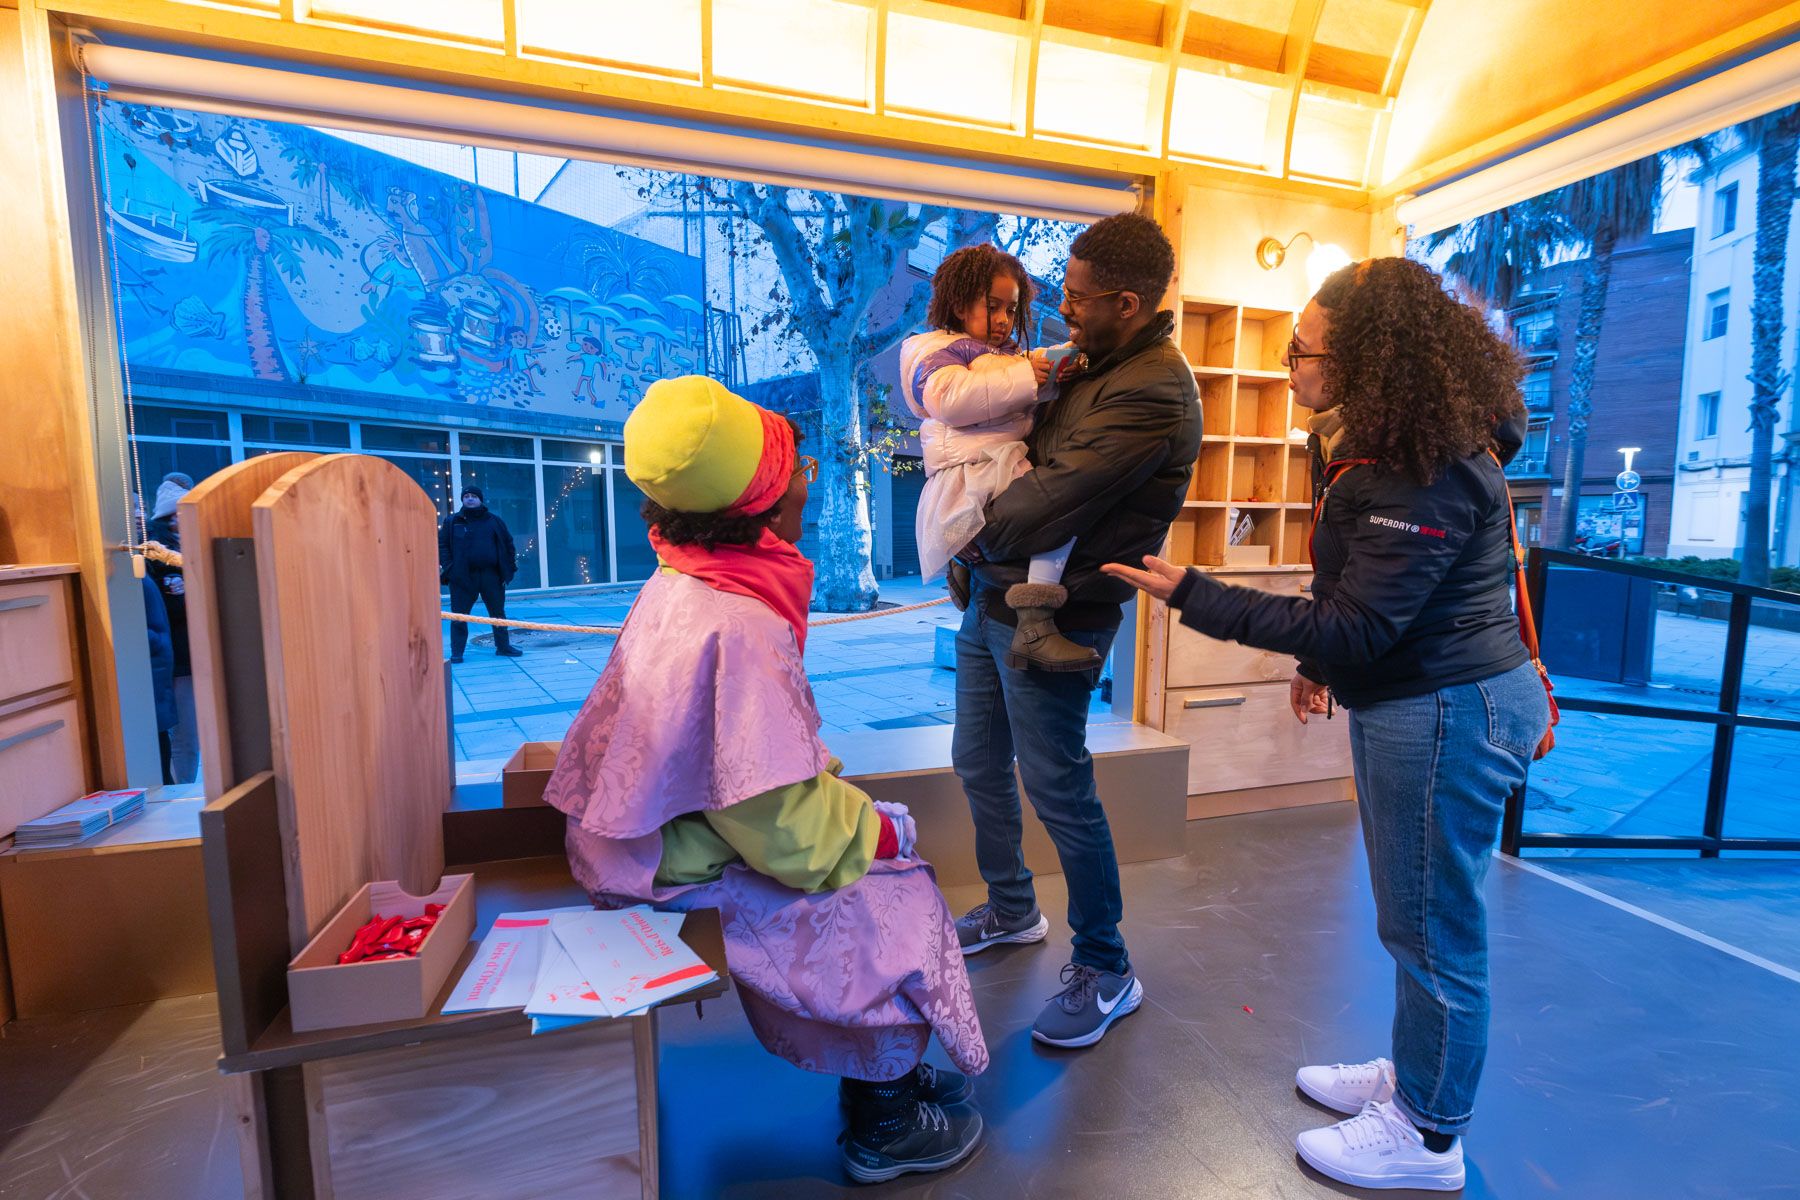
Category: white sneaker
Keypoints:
(1347, 1088)
(1381, 1149)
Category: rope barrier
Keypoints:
(157, 552)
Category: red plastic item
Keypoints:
(390, 937)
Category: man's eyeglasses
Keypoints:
(807, 467)
(1294, 354)
(1078, 298)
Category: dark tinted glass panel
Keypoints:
(510, 491)
(575, 525)
(405, 437)
(487, 445)
(153, 420)
(296, 431)
(636, 559)
(576, 452)
(156, 459)
(431, 474)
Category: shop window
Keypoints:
(295, 431)
(155, 420)
(405, 437)
(510, 492)
(487, 445)
(575, 525)
(636, 559)
(591, 453)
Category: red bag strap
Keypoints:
(1527, 620)
(1334, 471)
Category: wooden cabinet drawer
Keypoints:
(1247, 737)
(35, 650)
(1196, 660)
(40, 762)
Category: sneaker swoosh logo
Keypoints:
(1107, 1006)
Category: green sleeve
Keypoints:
(814, 835)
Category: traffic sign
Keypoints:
(1628, 481)
(1625, 501)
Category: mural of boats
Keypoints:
(158, 234)
(247, 197)
(237, 151)
(155, 122)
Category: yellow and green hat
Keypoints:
(693, 446)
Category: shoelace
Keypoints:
(979, 915)
(1083, 981)
(927, 1077)
(1360, 1074)
(933, 1117)
(1378, 1125)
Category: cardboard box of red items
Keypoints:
(526, 773)
(358, 973)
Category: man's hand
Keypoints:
(1040, 366)
(1159, 581)
(1305, 696)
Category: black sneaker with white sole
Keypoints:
(982, 927)
(1091, 1000)
(890, 1133)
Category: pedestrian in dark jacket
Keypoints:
(162, 671)
(476, 558)
(1112, 452)
(184, 737)
(1411, 626)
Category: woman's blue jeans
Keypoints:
(1432, 775)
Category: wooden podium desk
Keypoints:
(470, 1104)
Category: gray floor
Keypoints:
(1627, 1061)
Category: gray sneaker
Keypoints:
(1085, 1009)
(982, 927)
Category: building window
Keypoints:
(1725, 210)
(1536, 391)
(1718, 314)
(1706, 417)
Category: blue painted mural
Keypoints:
(274, 252)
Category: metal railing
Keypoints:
(1524, 465)
(1725, 718)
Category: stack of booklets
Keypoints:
(79, 820)
(567, 966)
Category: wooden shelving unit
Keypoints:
(1253, 463)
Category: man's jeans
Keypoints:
(1041, 717)
(1432, 775)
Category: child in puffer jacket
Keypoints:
(975, 388)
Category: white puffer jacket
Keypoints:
(972, 398)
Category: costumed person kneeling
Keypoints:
(694, 777)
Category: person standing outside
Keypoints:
(476, 558)
(1113, 454)
(184, 736)
(1411, 626)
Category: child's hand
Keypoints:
(1040, 366)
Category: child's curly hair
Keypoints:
(963, 279)
(1421, 378)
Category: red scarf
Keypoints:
(771, 570)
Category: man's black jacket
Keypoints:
(1112, 456)
(1411, 585)
(475, 543)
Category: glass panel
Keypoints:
(580, 452)
(575, 525)
(1332, 139)
(480, 20)
(510, 492)
(950, 70)
(814, 47)
(1221, 118)
(1090, 94)
(153, 420)
(1762, 800)
(1627, 776)
(432, 474)
(1771, 686)
(295, 431)
(1613, 637)
(487, 445)
(405, 437)
(636, 559)
(617, 31)
(157, 459)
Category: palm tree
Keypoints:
(1775, 138)
(257, 242)
(1495, 254)
(1599, 212)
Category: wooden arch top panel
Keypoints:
(346, 560)
(218, 507)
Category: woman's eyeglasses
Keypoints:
(1294, 354)
(807, 467)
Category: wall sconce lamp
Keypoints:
(1324, 258)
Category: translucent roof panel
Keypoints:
(1224, 120)
(808, 47)
(469, 20)
(1251, 32)
(1094, 96)
(949, 70)
(1139, 21)
(615, 31)
(1332, 139)
(1357, 42)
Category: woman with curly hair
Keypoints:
(1411, 628)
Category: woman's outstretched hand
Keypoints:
(1305, 696)
(1159, 581)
